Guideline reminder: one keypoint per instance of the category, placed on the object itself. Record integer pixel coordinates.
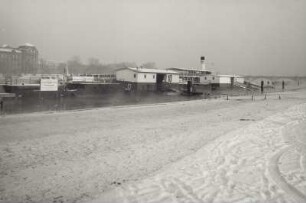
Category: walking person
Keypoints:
(1, 105)
(262, 86)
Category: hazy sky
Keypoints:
(265, 37)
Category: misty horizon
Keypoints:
(236, 37)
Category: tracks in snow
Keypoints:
(240, 166)
(281, 182)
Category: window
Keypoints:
(145, 76)
(213, 78)
(169, 78)
(153, 76)
(134, 75)
(205, 78)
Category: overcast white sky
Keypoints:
(259, 37)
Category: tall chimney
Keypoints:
(203, 62)
(66, 70)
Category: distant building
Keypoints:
(47, 64)
(29, 59)
(51, 67)
(23, 59)
(10, 60)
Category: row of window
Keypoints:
(9, 56)
(205, 78)
(144, 76)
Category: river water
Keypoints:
(58, 103)
(39, 103)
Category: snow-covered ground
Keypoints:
(197, 151)
(262, 162)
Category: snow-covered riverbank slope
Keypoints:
(195, 151)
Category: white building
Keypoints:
(221, 79)
(147, 79)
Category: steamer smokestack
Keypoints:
(203, 62)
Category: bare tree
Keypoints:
(149, 65)
(75, 65)
(93, 61)
(75, 60)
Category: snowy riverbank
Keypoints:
(262, 162)
(198, 151)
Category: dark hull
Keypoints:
(2, 89)
(130, 87)
(21, 90)
(34, 91)
(186, 93)
(93, 89)
(197, 89)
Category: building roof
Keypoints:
(27, 45)
(149, 70)
(9, 50)
(189, 69)
(235, 76)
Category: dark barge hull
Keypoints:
(34, 91)
(93, 89)
(21, 90)
(148, 87)
(197, 89)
